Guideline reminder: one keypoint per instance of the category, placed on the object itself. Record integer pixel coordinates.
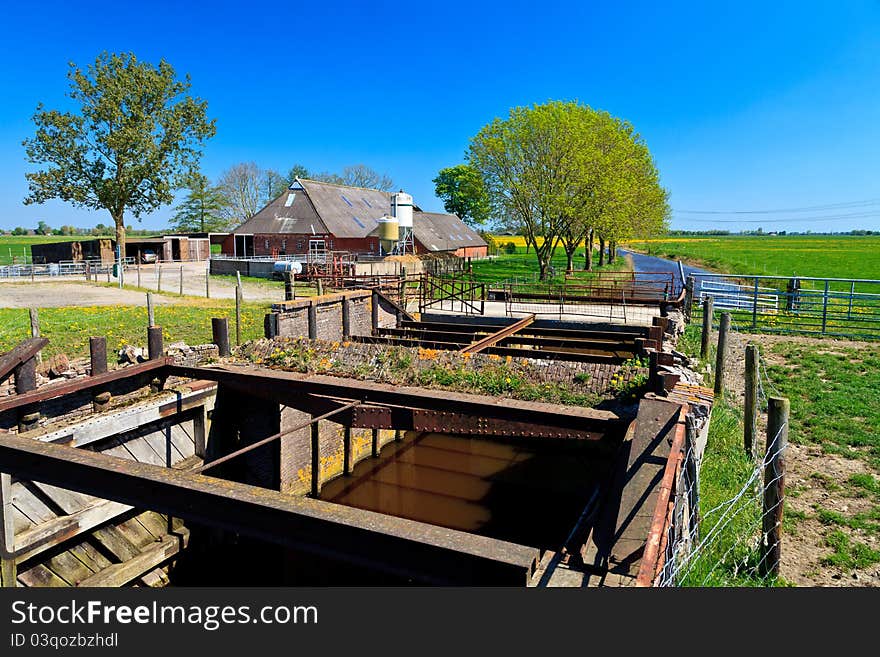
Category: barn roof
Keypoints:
(444, 232)
(310, 206)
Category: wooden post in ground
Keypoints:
(8, 569)
(139, 269)
(707, 328)
(158, 277)
(26, 381)
(238, 315)
(313, 320)
(689, 298)
(208, 283)
(374, 312)
(220, 334)
(346, 451)
(750, 408)
(155, 346)
(98, 362)
(35, 330)
(320, 287)
(721, 354)
(238, 277)
(181, 280)
(774, 485)
(151, 319)
(316, 460)
(288, 286)
(346, 318)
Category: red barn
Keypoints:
(313, 217)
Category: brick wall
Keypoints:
(293, 316)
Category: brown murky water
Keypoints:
(503, 489)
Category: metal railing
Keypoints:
(64, 268)
(844, 307)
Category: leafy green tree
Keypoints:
(462, 191)
(18, 230)
(527, 162)
(134, 136)
(200, 210)
(43, 228)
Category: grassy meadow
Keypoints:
(17, 248)
(524, 265)
(68, 329)
(832, 256)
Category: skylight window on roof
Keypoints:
(342, 196)
(366, 202)
(356, 220)
(289, 201)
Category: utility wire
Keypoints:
(811, 208)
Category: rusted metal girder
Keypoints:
(19, 354)
(492, 339)
(78, 385)
(385, 417)
(291, 389)
(396, 546)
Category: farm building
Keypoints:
(312, 217)
(165, 248)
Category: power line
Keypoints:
(813, 208)
(819, 218)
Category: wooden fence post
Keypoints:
(313, 320)
(774, 485)
(346, 318)
(139, 269)
(35, 330)
(238, 315)
(689, 298)
(158, 277)
(707, 328)
(750, 408)
(8, 569)
(208, 284)
(220, 334)
(98, 363)
(181, 280)
(151, 319)
(721, 355)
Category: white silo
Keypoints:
(402, 210)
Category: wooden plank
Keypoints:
(44, 535)
(135, 533)
(22, 352)
(30, 505)
(141, 452)
(123, 573)
(69, 568)
(161, 443)
(183, 440)
(78, 385)
(69, 501)
(155, 524)
(41, 577)
(90, 556)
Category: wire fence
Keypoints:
(736, 541)
(842, 307)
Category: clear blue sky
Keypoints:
(750, 107)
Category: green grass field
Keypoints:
(524, 265)
(832, 256)
(68, 329)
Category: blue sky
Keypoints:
(748, 106)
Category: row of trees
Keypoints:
(561, 174)
(67, 230)
(246, 187)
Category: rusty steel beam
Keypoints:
(395, 546)
(79, 385)
(22, 352)
(385, 417)
(289, 388)
(492, 339)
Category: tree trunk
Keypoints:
(601, 251)
(120, 234)
(570, 266)
(612, 251)
(588, 255)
